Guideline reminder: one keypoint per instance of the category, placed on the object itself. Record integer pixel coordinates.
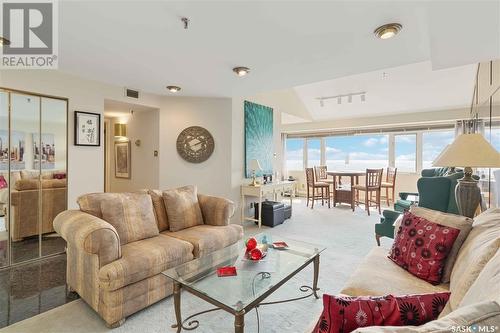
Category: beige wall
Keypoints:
(141, 126)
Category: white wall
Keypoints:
(85, 164)
(222, 174)
(141, 126)
(215, 114)
(238, 145)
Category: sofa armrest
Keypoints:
(216, 211)
(90, 234)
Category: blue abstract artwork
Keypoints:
(258, 137)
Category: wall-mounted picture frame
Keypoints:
(87, 129)
(122, 159)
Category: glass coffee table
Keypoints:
(254, 281)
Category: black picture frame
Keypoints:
(87, 141)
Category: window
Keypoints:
(433, 143)
(405, 148)
(357, 152)
(313, 152)
(295, 154)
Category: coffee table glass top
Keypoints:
(253, 279)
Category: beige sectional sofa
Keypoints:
(474, 282)
(119, 277)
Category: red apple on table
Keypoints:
(251, 244)
(256, 254)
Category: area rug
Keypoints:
(347, 236)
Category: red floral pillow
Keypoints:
(421, 247)
(419, 309)
(61, 175)
(345, 314)
(3, 182)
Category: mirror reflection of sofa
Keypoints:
(25, 197)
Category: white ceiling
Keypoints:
(409, 88)
(142, 44)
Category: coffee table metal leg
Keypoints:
(316, 276)
(239, 322)
(177, 306)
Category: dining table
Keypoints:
(345, 193)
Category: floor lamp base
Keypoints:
(468, 196)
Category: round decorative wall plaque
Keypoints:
(195, 144)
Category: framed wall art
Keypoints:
(122, 159)
(87, 129)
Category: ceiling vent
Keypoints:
(132, 93)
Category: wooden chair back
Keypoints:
(310, 176)
(390, 177)
(373, 178)
(320, 172)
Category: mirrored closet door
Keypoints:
(33, 175)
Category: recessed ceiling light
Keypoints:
(387, 31)
(173, 89)
(241, 71)
(4, 41)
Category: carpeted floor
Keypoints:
(348, 237)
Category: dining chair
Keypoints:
(390, 184)
(373, 182)
(313, 186)
(321, 175)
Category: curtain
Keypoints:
(284, 171)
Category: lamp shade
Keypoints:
(120, 130)
(469, 150)
(254, 165)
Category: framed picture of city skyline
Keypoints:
(46, 151)
(258, 137)
(17, 151)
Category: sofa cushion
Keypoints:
(33, 184)
(463, 223)
(487, 282)
(377, 275)
(143, 259)
(132, 216)
(91, 203)
(484, 315)
(159, 209)
(422, 246)
(207, 238)
(182, 207)
(479, 247)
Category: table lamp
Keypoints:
(468, 151)
(254, 166)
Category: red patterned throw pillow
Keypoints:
(343, 314)
(419, 309)
(3, 182)
(60, 175)
(421, 247)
